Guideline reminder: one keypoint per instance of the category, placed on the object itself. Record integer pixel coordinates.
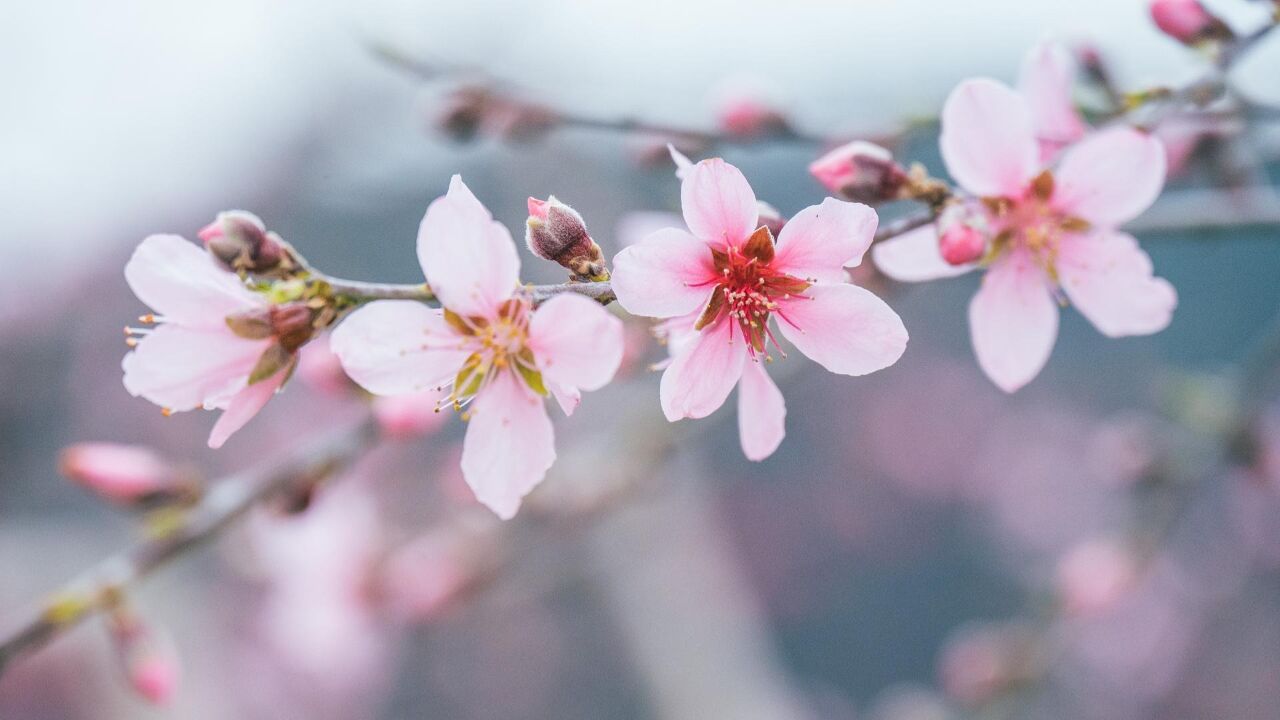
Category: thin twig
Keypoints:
(226, 500)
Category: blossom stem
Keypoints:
(226, 501)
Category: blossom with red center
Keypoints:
(1051, 233)
(216, 344)
(492, 351)
(723, 281)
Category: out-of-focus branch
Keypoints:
(228, 499)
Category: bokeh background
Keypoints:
(922, 545)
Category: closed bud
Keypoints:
(292, 324)
(556, 232)
(146, 656)
(1188, 22)
(240, 240)
(464, 113)
(962, 244)
(126, 474)
(862, 172)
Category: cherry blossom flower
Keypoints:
(719, 283)
(216, 344)
(499, 354)
(1051, 233)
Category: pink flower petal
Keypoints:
(762, 413)
(1110, 177)
(1109, 280)
(243, 406)
(179, 280)
(822, 240)
(684, 165)
(844, 328)
(699, 379)
(470, 261)
(1013, 321)
(397, 347)
(718, 203)
(914, 257)
(1047, 82)
(667, 274)
(182, 368)
(988, 141)
(567, 397)
(576, 342)
(509, 446)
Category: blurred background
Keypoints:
(921, 546)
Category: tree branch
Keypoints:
(226, 500)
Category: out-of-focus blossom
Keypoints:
(980, 661)
(318, 628)
(124, 474)
(496, 350)
(420, 580)
(556, 232)
(409, 416)
(726, 279)
(745, 116)
(1124, 450)
(860, 171)
(1052, 232)
(1187, 21)
(1094, 575)
(320, 368)
(218, 344)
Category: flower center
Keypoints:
(1032, 224)
(747, 290)
(498, 344)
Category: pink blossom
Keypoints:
(720, 282)
(194, 358)
(747, 116)
(1052, 233)
(500, 355)
(121, 473)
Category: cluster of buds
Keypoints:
(867, 173)
(556, 232)
(1188, 22)
(128, 475)
(241, 241)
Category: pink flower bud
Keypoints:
(860, 171)
(464, 113)
(124, 474)
(146, 656)
(962, 244)
(240, 241)
(556, 232)
(980, 662)
(1187, 21)
(747, 117)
